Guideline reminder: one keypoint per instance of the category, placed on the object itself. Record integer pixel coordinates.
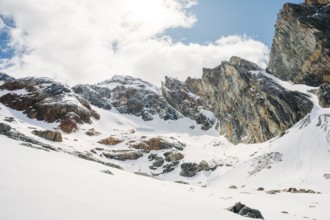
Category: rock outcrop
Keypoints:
(49, 135)
(323, 94)
(301, 46)
(191, 105)
(47, 100)
(249, 106)
(245, 211)
(129, 96)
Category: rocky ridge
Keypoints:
(47, 100)
(250, 107)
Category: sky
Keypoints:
(83, 41)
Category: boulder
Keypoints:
(55, 136)
(245, 211)
(158, 143)
(189, 169)
(123, 155)
(110, 141)
(173, 156)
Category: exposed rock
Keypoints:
(189, 169)
(158, 143)
(123, 155)
(179, 95)
(232, 187)
(326, 176)
(317, 2)
(5, 78)
(250, 107)
(92, 132)
(170, 167)
(203, 165)
(129, 96)
(301, 46)
(107, 172)
(291, 190)
(173, 156)
(47, 100)
(245, 211)
(182, 182)
(8, 131)
(55, 136)
(323, 94)
(110, 141)
(260, 189)
(158, 162)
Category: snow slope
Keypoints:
(58, 185)
(48, 185)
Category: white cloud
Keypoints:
(83, 41)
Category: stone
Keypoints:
(92, 132)
(245, 211)
(158, 162)
(189, 169)
(10, 132)
(203, 166)
(170, 167)
(260, 189)
(232, 187)
(123, 155)
(110, 141)
(173, 156)
(55, 136)
(323, 93)
(157, 143)
(300, 51)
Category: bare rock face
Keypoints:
(249, 106)
(301, 46)
(181, 97)
(323, 94)
(317, 2)
(47, 100)
(129, 96)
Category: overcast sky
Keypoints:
(84, 41)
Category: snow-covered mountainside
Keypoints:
(125, 149)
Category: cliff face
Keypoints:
(301, 46)
(250, 106)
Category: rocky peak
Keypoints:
(47, 100)
(250, 106)
(301, 46)
(5, 78)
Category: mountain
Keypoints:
(126, 149)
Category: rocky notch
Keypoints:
(250, 106)
(47, 100)
(301, 46)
